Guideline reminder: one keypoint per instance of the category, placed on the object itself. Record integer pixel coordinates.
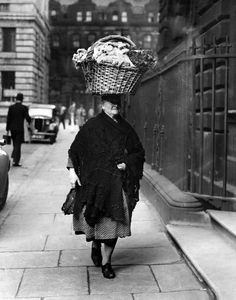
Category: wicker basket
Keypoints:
(107, 79)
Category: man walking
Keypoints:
(17, 113)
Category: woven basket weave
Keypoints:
(107, 79)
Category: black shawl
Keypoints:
(98, 147)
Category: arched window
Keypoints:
(124, 17)
(147, 41)
(75, 41)
(115, 16)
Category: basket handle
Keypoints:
(117, 37)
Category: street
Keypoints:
(41, 258)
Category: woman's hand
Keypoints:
(73, 178)
(121, 166)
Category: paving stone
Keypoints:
(37, 228)
(26, 207)
(9, 282)
(143, 213)
(66, 242)
(175, 277)
(75, 258)
(139, 256)
(129, 279)
(30, 219)
(21, 243)
(53, 282)
(19, 260)
(145, 227)
(140, 240)
(20, 298)
(184, 295)
(117, 296)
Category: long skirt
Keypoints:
(106, 228)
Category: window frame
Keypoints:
(124, 17)
(88, 16)
(79, 16)
(8, 39)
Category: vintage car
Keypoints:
(45, 124)
(4, 178)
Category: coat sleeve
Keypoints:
(76, 151)
(26, 115)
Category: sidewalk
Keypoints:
(41, 258)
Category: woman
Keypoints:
(106, 163)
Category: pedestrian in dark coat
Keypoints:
(17, 113)
(106, 163)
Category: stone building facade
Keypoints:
(24, 50)
(186, 112)
(82, 22)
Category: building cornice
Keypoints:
(25, 17)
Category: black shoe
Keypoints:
(107, 271)
(96, 256)
(17, 165)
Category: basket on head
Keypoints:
(102, 78)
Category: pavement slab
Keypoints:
(129, 279)
(21, 243)
(118, 296)
(30, 219)
(144, 256)
(140, 240)
(66, 242)
(184, 295)
(9, 282)
(52, 205)
(18, 260)
(52, 282)
(175, 277)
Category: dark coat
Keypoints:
(17, 113)
(98, 147)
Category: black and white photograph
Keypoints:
(117, 150)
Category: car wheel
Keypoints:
(4, 198)
(52, 140)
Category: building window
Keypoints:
(88, 16)
(91, 38)
(76, 42)
(115, 16)
(150, 17)
(147, 42)
(55, 41)
(79, 16)
(9, 39)
(124, 17)
(4, 7)
(102, 16)
(8, 83)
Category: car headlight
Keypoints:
(51, 126)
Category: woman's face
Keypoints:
(110, 108)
